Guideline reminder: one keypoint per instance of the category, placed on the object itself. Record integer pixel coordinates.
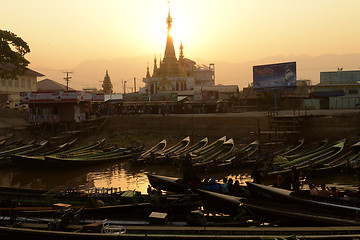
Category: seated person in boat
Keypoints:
(230, 184)
(256, 176)
(279, 183)
(214, 186)
(294, 177)
(324, 191)
(236, 189)
(187, 168)
(225, 186)
(334, 193)
(313, 191)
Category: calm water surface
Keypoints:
(127, 177)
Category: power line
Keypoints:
(67, 78)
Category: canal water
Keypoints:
(127, 177)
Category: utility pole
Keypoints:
(134, 84)
(67, 79)
(124, 87)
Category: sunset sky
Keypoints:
(64, 33)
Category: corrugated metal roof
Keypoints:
(51, 85)
(10, 66)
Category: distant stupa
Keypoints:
(107, 85)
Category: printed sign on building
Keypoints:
(274, 76)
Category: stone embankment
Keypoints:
(312, 125)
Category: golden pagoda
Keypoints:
(170, 75)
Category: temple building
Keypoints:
(107, 85)
(177, 75)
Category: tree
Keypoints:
(12, 52)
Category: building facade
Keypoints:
(59, 106)
(10, 88)
(336, 90)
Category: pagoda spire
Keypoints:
(155, 66)
(169, 49)
(147, 71)
(181, 55)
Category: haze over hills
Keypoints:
(89, 73)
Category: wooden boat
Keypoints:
(164, 156)
(93, 159)
(308, 149)
(216, 156)
(81, 149)
(290, 148)
(170, 184)
(346, 159)
(274, 211)
(175, 158)
(282, 195)
(227, 163)
(246, 156)
(312, 159)
(149, 155)
(8, 145)
(249, 150)
(119, 230)
(20, 199)
(117, 209)
(37, 156)
(178, 147)
(177, 185)
(209, 147)
(22, 148)
(59, 148)
(199, 145)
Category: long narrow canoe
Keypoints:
(165, 155)
(81, 149)
(151, 153)
(290, 148)
(307, 149)
(299, 160)
(249, 150)
(8, 152)
(165, 183)
(64, 162)
(313, 159)
(346, 159)
(59, 148)
(278, 194)
(177, 147)
(38, 147)
(222, 152)
(199, 145)
(210, 147)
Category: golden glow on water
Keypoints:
(118, 178)
(129, 177)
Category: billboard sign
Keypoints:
(274, 76)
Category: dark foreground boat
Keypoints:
(343, 209)
(282, 212)
(170, 184)
(107, 230)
